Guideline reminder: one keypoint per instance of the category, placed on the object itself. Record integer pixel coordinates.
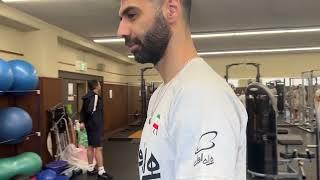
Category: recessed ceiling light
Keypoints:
(228, 34)
(259, 51)
(254, 51)
(9, 1)
(252, 33)
(109, 40)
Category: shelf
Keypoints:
(25, 138)
(26, 91)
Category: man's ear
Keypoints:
(173, 10)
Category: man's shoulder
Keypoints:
(199, 74)
(203, 85)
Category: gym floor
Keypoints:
(120, 160)
(121, 157)
(308, 138)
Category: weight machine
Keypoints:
(310, 83)
(144, 97)
(280, 87)
(257, 66)
(140, 117)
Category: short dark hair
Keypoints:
(92, 84)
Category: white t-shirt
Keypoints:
(242, 98)
(195, 130)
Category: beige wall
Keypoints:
(272, 65)
(42, 48)
(40, 43)
(114, 72)
(8, 57)
(276, 65)
(150, 75)
(10, 40)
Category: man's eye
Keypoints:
(131, 15)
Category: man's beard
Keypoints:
(155, 42)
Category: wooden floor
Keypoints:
(136, 135)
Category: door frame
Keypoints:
(65, 75)
(78, 76)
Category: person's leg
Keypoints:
(295, 115)
(97, 141)
(90, 152)
(90, 155)
(99, 156)
(99, 159)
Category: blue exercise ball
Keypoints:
(6, 76)
(15, 124)
(47, 174)
(24, 74)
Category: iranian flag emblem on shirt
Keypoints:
(156, 125)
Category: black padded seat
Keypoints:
(283, 131)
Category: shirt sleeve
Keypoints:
(205, 131)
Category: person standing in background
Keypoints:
(92, 117)
(317, 103)
(296, 103)
(274, 92)
(288, 102)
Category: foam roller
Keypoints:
(28, 164)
